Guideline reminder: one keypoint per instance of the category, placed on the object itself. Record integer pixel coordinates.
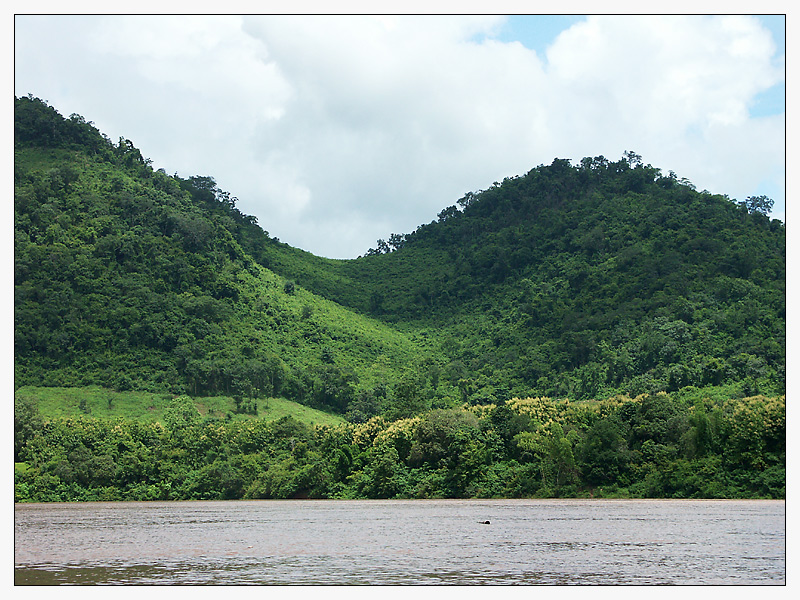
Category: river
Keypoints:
(402, 542)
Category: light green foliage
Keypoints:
(52, 403)
(181, 413)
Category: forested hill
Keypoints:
(518, 346)
(584, 281)
(572, 281)
(132, 279)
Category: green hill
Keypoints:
(571, 281)
(134, 280)
(583, 281)
(599, 329)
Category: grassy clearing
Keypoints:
(94, 401)
(269, 409)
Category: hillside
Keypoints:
(134, 280)
(570, 281)
(598, 330)
(101, 403)
(583, 281)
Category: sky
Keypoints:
(335, 131)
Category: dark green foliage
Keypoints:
(36, 123)
(604, 453)
(759, 204)
(27, 422)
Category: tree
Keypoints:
(27, 422)
(180, 413)
(467, 199)
(384, 475)
(448, 213)
(633, 159)
(759, 204)
(396, 241)
(604, 452)
(561, 455)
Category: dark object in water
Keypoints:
(484, 522)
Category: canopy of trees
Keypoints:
(651, 446)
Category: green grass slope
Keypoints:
(98, 402)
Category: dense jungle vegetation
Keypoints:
(598, 329)
(652, 446)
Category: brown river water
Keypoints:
(402, 542)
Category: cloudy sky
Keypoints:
(338, 130)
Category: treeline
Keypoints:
(652, 446)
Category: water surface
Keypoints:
(338, 542)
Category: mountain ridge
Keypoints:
(597, 330)
(569, 281)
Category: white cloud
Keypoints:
(677, 90)
(393, 123)
(335, 131)
(660, 76)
